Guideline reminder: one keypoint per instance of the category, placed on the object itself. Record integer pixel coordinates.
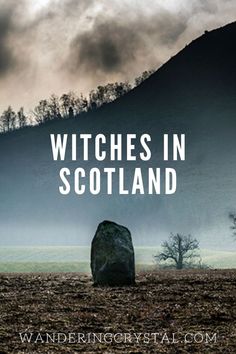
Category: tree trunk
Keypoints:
(179, 264)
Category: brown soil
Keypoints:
(197, 303)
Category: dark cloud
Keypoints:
(206, 6)
(74, 8)
(17, 34)
(78, 44)
(111, 44)
(7, 59)
(170, 28)
(107, 47)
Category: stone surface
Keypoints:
(112, 255)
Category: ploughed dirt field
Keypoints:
(166, 312)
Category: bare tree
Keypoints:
(145, 75)
(42, 112)
(54, 107)
(21, 117)
(8, 120)
(232, 217)
(107, 93)
(81, 104)
(65, 102)
(68, 105)
(180, 249)
(121, 89)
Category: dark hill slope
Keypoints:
(193, 93)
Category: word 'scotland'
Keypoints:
(117, 163)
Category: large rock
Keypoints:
(112, 255)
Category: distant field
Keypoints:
(76, 259)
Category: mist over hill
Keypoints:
(193, 93)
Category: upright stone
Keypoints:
(112, 255)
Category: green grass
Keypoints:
(27, 267)
(219, 259)
(76, 259)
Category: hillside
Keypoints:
(193, 93)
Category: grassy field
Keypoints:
(76, 258)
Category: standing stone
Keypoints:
(112, 255)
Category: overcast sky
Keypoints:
(52, 46)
